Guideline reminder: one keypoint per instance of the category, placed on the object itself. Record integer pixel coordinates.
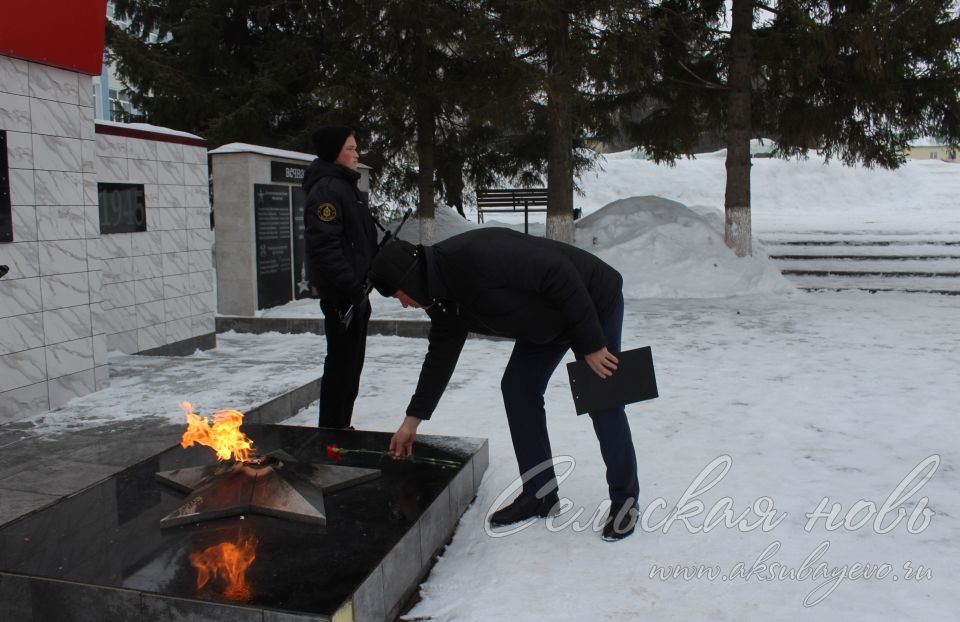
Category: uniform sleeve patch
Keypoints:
(326, 212)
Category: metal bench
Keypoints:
(512, 200)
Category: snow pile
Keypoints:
(665, 250)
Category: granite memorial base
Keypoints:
(102, 555)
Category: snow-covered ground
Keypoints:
(798, 401)
(801, 460)
(807, 397)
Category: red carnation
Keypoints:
(334, 452)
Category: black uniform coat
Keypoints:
(339, 233)
(501, 282)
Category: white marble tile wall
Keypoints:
(150, 278)
(73, 294)
(47, 348)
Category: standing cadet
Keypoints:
(340, 242)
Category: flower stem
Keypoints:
(446, 464)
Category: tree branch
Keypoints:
(766, 7)
(702, 81)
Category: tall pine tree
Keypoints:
(574, 51)
(228, 70)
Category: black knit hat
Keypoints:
(397, 267)
(328, 141)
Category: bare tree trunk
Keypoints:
(737, 229)
(559, 132)
(427, 165)
(426, 139)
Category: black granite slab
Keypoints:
(103, 548)
(16, 503)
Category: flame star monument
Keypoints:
(247, 483)
(104, 549)
(272, 485)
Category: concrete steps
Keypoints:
(872, 262)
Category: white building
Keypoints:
(105, 226)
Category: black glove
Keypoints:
(358, 293)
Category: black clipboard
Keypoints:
(634, 381)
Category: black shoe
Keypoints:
(523, 507)
(621, 521)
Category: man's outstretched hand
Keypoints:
(602, 362)
(401, 444)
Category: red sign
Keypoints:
(62, 33)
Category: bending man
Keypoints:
(549, 297)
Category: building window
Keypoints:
(934, 155)
(123, 208)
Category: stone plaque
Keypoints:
(285, 172)
(123, 207)
(301, 288)
(271, 206)
(6, 217)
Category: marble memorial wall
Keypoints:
(72, 293)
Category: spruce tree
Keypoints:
(858, 81)
(227, 70)
(418, 89)
(571, 48)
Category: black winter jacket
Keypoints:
(340, 236)
(501, 282)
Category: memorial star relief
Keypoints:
(303, 285)
(243, 482)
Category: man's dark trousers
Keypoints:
(342, 365)
(523, 385)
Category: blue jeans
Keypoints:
(523, 385)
